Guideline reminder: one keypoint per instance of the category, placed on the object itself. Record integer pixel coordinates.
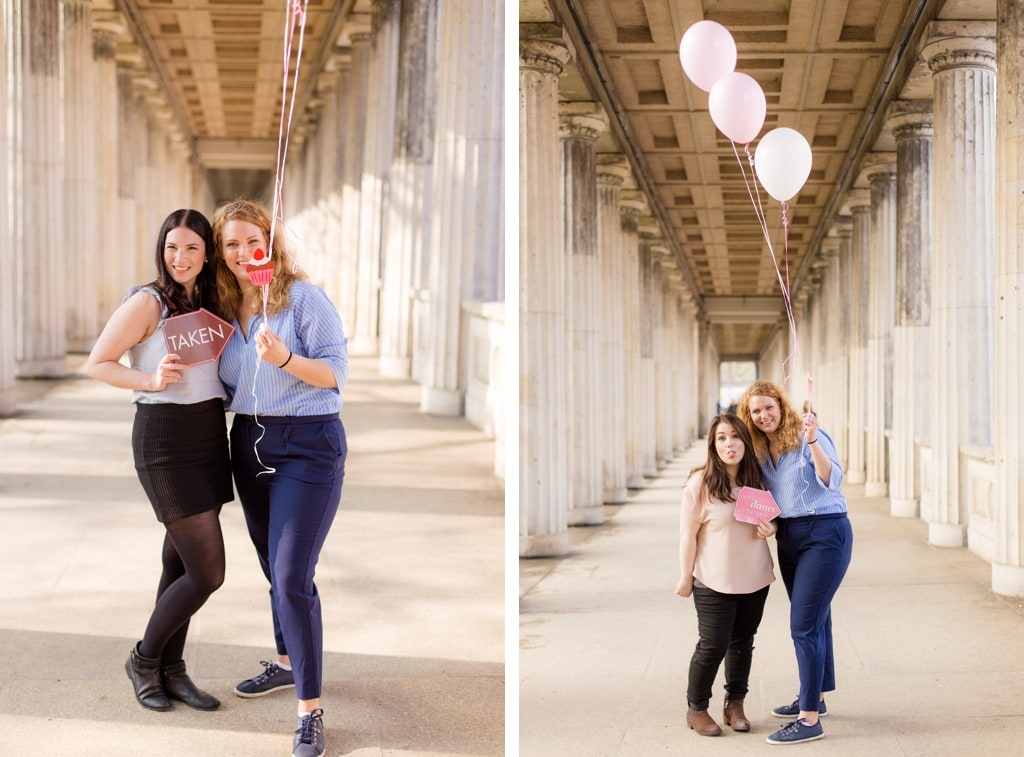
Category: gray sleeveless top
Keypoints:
(198, 384)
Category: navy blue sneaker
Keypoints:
(309, 736)
(271, 679)
(797, 732)
(793, 710)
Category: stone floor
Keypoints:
(411, 577)
(929, 660)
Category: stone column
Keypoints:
(664, 396)
(373, 197)
(80, 186)
(407, 230)
(632, 206)
(544, 476)
(580, 128)
(106, 30)
(880, 170)
(467, 232)
(1008, 558)
(355, 115)
(33, 102)
(961, 56)
(649, 233)
(839, 272)
(859, 202)
(611, 173)
(911, 124)
(7, 309)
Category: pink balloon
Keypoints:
(738, 107)
(707, 52)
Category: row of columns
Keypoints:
(933, 281)
(408, 111)
(607, 348)
(404, 221)
(91, 159)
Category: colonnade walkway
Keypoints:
(411, 580)
(928, 660)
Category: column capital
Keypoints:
(548, 56)
(843, 227)
(878, 166)
(632, 204)
(960, 44)
(648, 227)
(857, 201)
(911, 119)
(612, 169)
(580, 126)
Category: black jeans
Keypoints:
(726, 624)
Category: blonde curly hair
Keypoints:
(228, 289)
(790, 423)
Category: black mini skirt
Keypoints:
(181, 456)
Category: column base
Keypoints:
(876, 489)
(856, 477)
(616, 496)
(1008, 580)
(651, 472)
(903, 508)
(586, 516)
(946, 535)
(636, 482)
(441, 402)
(363, 345)
(8, 405)
(80, 346)
(44, 369)
(395, 367)
(552, 545)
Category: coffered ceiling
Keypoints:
(828, 68)
(220, 65)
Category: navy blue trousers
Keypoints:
(289, 513)
(814, 553)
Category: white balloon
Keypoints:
(782, 162)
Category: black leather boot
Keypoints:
(144, 674)
(179, 686)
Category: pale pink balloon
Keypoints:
(707, 52)
(738, 106)
(782, 162)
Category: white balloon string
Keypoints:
(295, 17)
(263, 429)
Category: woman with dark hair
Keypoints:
(726, 565)
(179, 440)
(284, 367)
(815, 542)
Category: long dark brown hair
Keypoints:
(171, 292)
(716, 477)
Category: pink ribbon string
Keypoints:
(295, 20)
(755, 198)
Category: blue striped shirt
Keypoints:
(796, 487)
(310, 326)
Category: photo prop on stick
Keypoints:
(261, 270)
(197, 337)
(754, 505)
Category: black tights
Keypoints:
(193, 568)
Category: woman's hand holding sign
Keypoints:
(167, 372)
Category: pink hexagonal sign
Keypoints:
(197, 337)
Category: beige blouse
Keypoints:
(723, 553)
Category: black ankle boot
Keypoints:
(179, 686)
(144, 674)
